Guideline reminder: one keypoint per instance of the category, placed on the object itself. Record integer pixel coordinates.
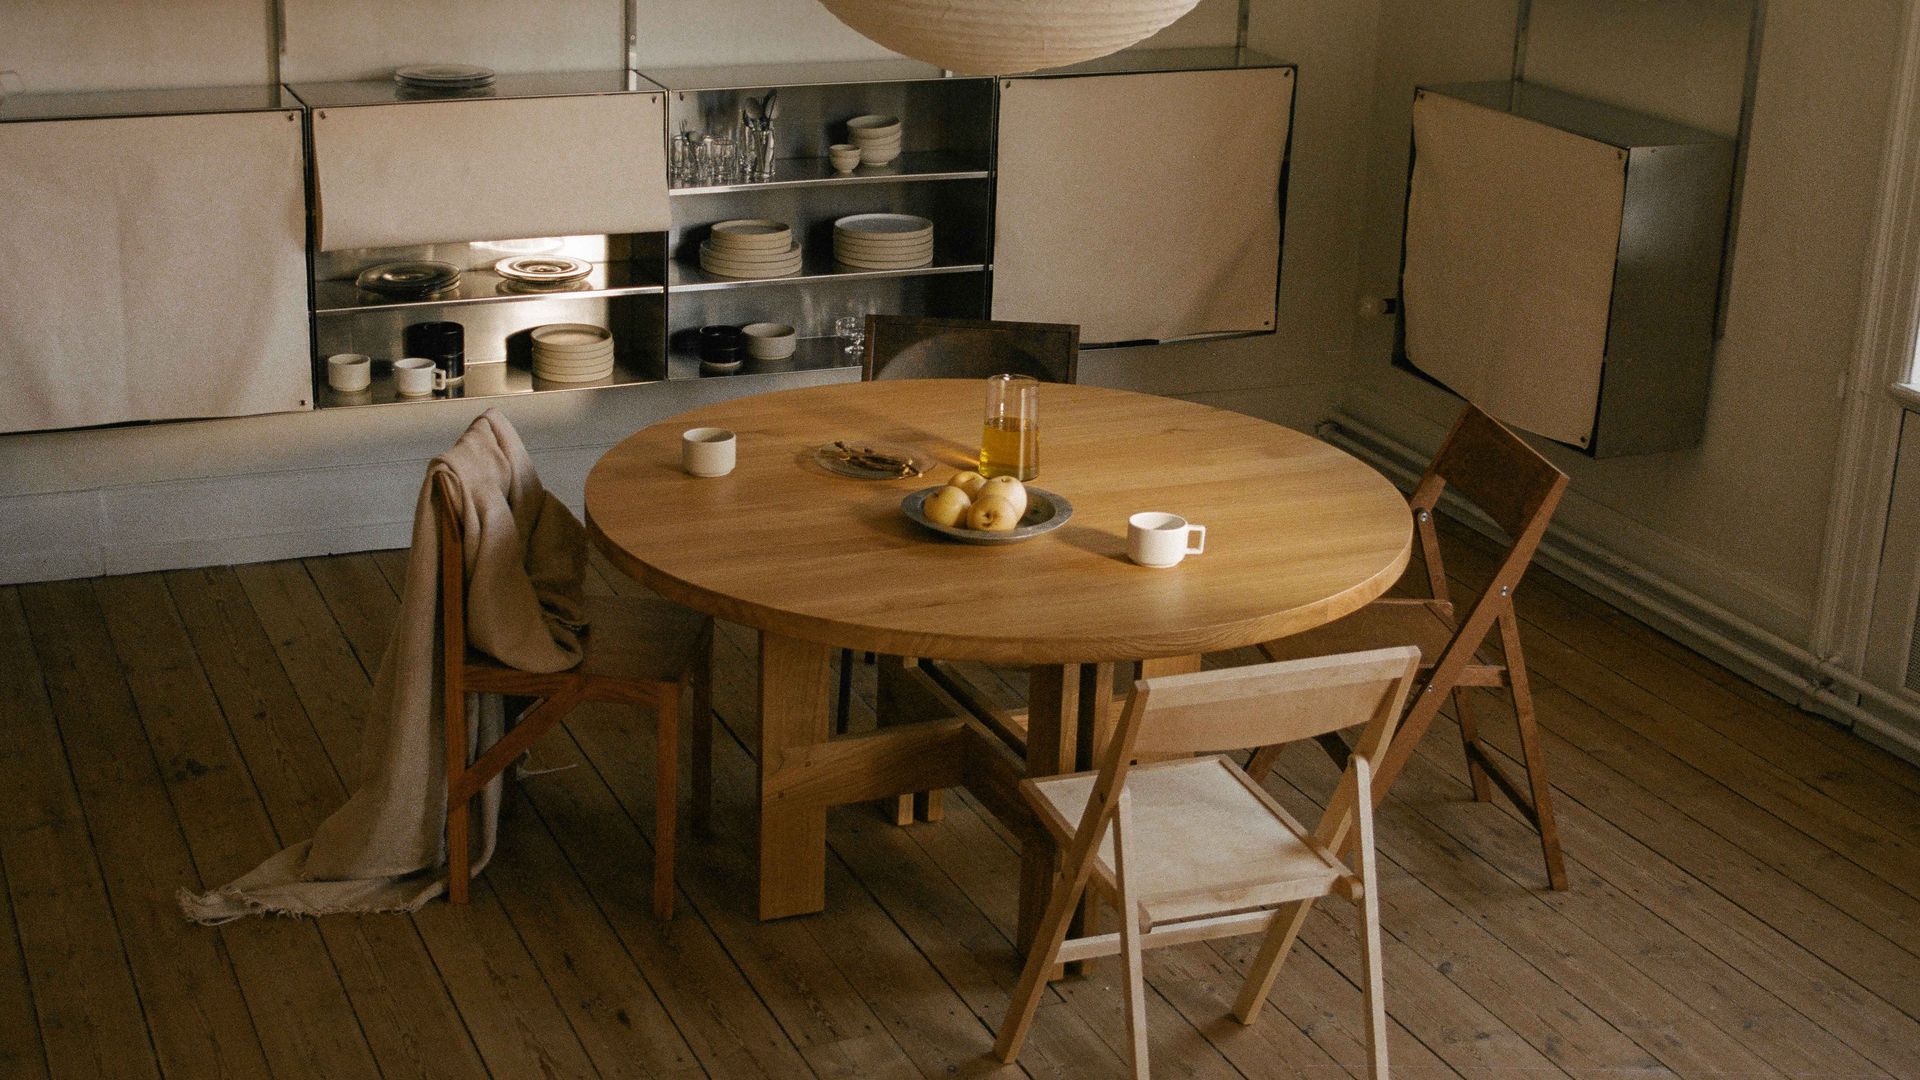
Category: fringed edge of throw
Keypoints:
(218, 907)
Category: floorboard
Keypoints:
(1745, 895)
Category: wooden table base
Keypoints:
(804, 769)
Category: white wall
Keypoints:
(145, 497)
(1738, 520)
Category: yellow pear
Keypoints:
(1008, 488)
(948, 507)
(969, 482)
(991, 513)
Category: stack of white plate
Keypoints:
(878, 138)
(572, 352)
(750, 248)
(883, 241)
(447, 77)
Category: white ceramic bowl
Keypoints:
(844, 157)
(874, 124)
(769, 341)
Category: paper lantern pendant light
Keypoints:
(1000, 37)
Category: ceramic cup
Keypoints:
(1162, 540)
(349, 372)
(707, 451)
(845, 157)
(416, 376)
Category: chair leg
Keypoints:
(1374, 994)
(666, 798)
(701, 685)
(1133, 978)
(1535, 758)
(843, 703)
(1035, 973)
(1470, 740)
(459, 866)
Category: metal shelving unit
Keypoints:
(625, 291)
(945, 174)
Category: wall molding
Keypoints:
(1769, 660)
(1889, 320)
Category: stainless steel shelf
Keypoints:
(484, 380)
(682, 277)
(100, 104)
(828, 73)
(808, 172)
(337, 297)
(811, 354)
(337, 95)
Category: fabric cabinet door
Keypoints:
(1562, 263)
(152, 268)
(1142, 206)
(435, 172)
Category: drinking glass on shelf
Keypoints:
(718, 162)
(852, 332)
(1010, 437)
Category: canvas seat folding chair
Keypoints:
(644, 652)
(1497, 472)
(1193, 848)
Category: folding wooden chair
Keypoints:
(1510, 482)
(1198, 849)
(638, 652)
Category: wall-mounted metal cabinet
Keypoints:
(565, 164)
(152, 257)
(1562, 263)
(1142, 195)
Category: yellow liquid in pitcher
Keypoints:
(1010, 447)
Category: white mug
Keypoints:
(707, 451)
(1162, 540)
(348, 372)
(416, 376)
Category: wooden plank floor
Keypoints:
(1745, 895)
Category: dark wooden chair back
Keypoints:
(912, 347)
(1499, 474)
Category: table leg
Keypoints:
(794, 679)
(1053, 709)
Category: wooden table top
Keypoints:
(1299, 533)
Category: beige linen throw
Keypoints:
(525, 560)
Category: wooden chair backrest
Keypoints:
(453, 584)
(1258, 705)
(1267, 704)
(1498, 473)
(911, 347)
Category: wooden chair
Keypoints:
(1198, 849)
(915, 347)
(638, 652)
(1510, 482)
(912, 347)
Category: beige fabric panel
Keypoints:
(1142, 207)
(1513, 230)
(152, 268)
(454, 171)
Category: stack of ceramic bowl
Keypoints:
(878, 138)
(572, 352)
(750, 248)
(883, 241)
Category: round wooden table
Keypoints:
(1299, 534)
